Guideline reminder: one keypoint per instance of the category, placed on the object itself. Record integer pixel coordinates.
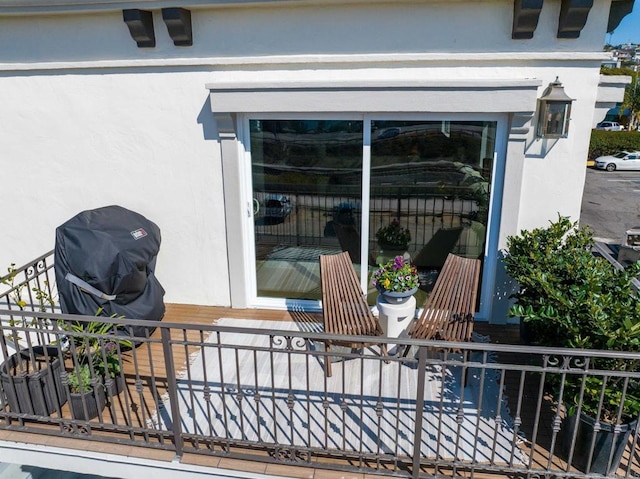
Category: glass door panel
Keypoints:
(307, 189)
(431, 180)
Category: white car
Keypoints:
(625, 160)
(609, 126)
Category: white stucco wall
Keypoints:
(610, 92)
(84, 140)
(89, 119)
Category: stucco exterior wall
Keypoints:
(89, 119)
(610, 92)
(84, 140)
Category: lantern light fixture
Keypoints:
(554, 112)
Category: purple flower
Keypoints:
(398, 263)
(110, 347)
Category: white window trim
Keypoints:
(463, 96)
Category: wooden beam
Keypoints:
(178, 21)
(525, 18)
(140, 23)
(573, 16)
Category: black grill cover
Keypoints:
(114, 250)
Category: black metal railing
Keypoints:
(31, 286)
(237, 389)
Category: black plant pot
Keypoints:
(87, 405)
(606, 443)
(526, 335)
(32, 384)
(530, 334)
(115, 386)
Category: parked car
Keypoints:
(609, 126)
(277, 206)
(388, 133)
(625, 160)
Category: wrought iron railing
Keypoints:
(237, 389)
(31, 286)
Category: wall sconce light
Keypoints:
(554, 112)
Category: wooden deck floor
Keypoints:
(138, 404)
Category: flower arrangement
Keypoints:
(393, 235)
(398, 275)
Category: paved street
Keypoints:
(611, 203)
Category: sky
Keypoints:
(629, 28)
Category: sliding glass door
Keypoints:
(307, 190)
(321, 186)
(429, 190)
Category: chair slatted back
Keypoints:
(449, 309)
(344, 306)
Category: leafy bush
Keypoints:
(571, 298)
(610, 142)
(617, 71)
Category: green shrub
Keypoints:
(610, 142)
(571, 298)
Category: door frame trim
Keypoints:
(513, 100)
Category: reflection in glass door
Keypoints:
(307, 189)
(431, 178)
(430, 183)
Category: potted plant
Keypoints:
(396, 280)
(393, 236)
(32, 382)
(31, 378)
(98, 343)
(86, 393)
(569, 297)
(109, 366)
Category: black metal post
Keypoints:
(417, 440)
(172, 389)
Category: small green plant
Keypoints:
(79, 379)
(569, 297)
(398, 274)
(394, 235)
(97, 342)
(15, 291)
(44, 298)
